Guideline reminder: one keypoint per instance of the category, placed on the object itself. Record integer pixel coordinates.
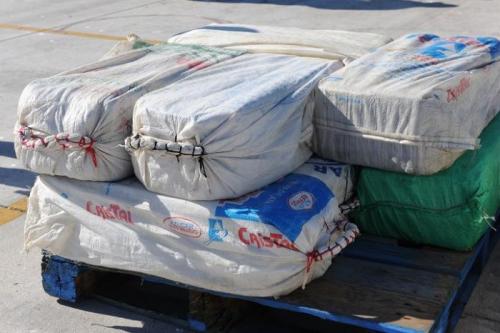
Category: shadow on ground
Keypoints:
(255, 318)
(148, 324)
(23, 179)
(7, 149)
(17, 178)
(346, 4)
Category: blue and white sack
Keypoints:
(265, 243)
(414, 105)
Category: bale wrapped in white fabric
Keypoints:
(414, 106)
(266, 243)
(328, 44)
(227, 130)
(73, 124)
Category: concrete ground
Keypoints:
(44, 37)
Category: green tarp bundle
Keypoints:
(452, 208)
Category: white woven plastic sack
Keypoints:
(413, 106)
(73, 124)
(266, 243)
(229, 129)
(329, 44)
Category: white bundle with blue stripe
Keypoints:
(229, 129)
(265, 243)
(414, 105)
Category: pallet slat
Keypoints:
(483, 307)
(376, 284)
(385, 250)
(473, 324)
(411, 282)
(365, 307)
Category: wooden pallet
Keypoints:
(482, 312)
(376, 284)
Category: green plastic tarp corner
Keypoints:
(452, 208)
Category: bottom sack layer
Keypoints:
(266, 243)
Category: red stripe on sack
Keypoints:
(89, 149)
(29, 140)
(312, 257)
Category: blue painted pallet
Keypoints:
(376, 284)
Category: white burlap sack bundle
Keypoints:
(73, 124)
(414, 106)
(328, 44)
(266, 243)
(229, 129)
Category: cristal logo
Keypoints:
(455, 92)
(110, 212)
(301, 201)
(259, 240)
(183, 226)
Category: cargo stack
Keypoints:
(218, 127)
(229, 128)
(413, 114)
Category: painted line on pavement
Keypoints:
(81, 34)
(13, 211)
